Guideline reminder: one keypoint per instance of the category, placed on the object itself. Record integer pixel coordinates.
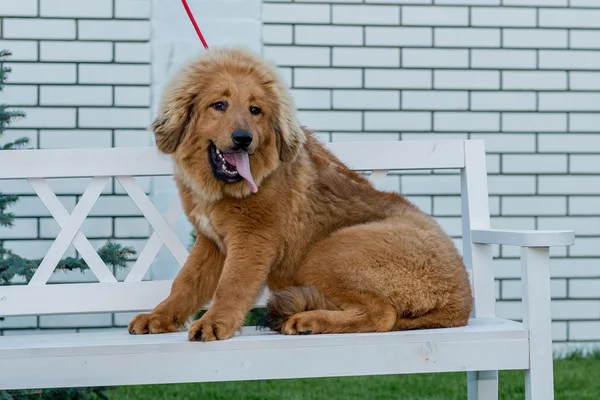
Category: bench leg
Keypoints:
(482, 385)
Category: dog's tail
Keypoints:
(294, 299)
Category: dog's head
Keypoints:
(228, 121)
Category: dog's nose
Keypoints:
(241, 138)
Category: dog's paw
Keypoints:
(153, 323)
(300, 324)
(207, 329)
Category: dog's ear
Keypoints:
(173, 118)
(290, 135)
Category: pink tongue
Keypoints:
(242, 163)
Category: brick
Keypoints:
(74, 138)
(22, 50)
(432, 184)
(76, 8)
(535, 38)
(503, 16)
(23, 228)
(581, 225)
(331, 120)
(296, 13)
(422, 202)
(534, 122)
(46, 117)
(397, 121)
(328, 35)
(20, 95)
(132, 9)
(42, 73)
(569, 101)
(435, 16)
(75, 51)
(506, 184)
(571, 184)
(397, 79)
(366, 15)
(584, 163)
(534, 163)
(574, 267)
(132, 52)
(401, 36)
(584, 80)
(75, 320)
(18, 322)
(298, 56)
(132, 96)
(396, 1)
(492, 164)
(585, 247)
(32, 206)
(529, 3)
(10, 135)
(467, 37)
(131, 227)
(559, 331)
(588, 330)
(364, 137)
(35, 28)
(447, 205)
(585, 39)
(510, 310)
(311, 98)
(435, 58)
(132, 138)
(467, 80)
(512, 289)
(534, 80)
(568, 143)
(286, 75)
(575, 309)
(513, 223)
(75, 95)
(114, 117)
(365, 57)
(569, 18)
(584, 3)
(113, 30)
(366, 99)
(534, 205)
(435, 100)
(114, 74)
(468, 2)
(582, 288)
(569, 59)
(113, 206)
(518, 59)
(584, 122)
(277, 34)
(503, 101)
(466, 121)
(327, 78)
(92, 228)
(451, 225)
(21, 8)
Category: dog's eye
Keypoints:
(219, 106)
(255, 110)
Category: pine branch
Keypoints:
(12, 265)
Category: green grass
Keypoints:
(575, 379)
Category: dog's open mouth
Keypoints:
(231, 167)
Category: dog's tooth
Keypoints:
(224, 167)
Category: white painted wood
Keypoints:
(535, 269)
(417, 154)
(376, 177)
(68, 231)
(482, 385)
(58, 163)
(526, 238)
(153, 246)
(94, 359)
(60, 214)
(161, 227)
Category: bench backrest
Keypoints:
(134, 294)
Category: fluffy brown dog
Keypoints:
(270, 205)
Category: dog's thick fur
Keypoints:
(338, 255)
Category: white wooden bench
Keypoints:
(486, 345)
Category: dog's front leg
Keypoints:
(249, 259)
(192, 288)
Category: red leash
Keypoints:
(189, 13)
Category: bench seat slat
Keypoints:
(99, 357)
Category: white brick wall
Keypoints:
(81, 72)
(524, 75)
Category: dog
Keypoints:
(271, 206)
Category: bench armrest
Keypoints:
(523, 238)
